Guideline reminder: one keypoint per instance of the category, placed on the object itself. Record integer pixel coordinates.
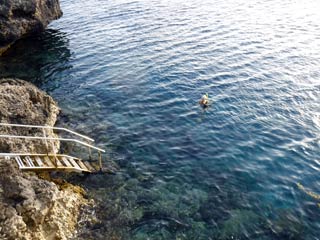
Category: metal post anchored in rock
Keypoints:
(100, 161)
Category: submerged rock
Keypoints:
(19, 18)
(287, 225)
(32, 207)
(242, 224)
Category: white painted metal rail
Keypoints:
(47, 127)
(45, 138)
(51, 138)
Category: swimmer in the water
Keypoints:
(204, 101)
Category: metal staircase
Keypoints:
(53, 161)
(41, 162)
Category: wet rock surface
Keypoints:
(32, 206)
(19, 18)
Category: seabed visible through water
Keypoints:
(130, 74)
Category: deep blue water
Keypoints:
(130, 74)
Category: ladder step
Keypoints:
(66, 162)
(25, 161)
(80, 163)
(39, 162)
(28, 164)
(55, 160)
(47, 161)
(73, 162)
(89, 166)
(19, 161)
(59, 163)
(29, 160)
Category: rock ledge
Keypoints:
(32, 207)
(22, 17)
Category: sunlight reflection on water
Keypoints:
(130, 74)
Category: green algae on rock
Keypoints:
(242, 224)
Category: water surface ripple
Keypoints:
(130, 73)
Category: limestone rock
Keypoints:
(22, 17)
(32, 208)
(23, 103)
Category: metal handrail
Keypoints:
(51, 138)
(48, 127)
(36, 154)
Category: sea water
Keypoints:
(130, 74)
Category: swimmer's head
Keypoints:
(205, 96)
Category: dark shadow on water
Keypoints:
(39, 59)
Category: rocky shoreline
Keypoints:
(22, 18)
(33, 206)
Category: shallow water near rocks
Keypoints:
(130, 74)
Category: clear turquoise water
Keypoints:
(130, 73)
